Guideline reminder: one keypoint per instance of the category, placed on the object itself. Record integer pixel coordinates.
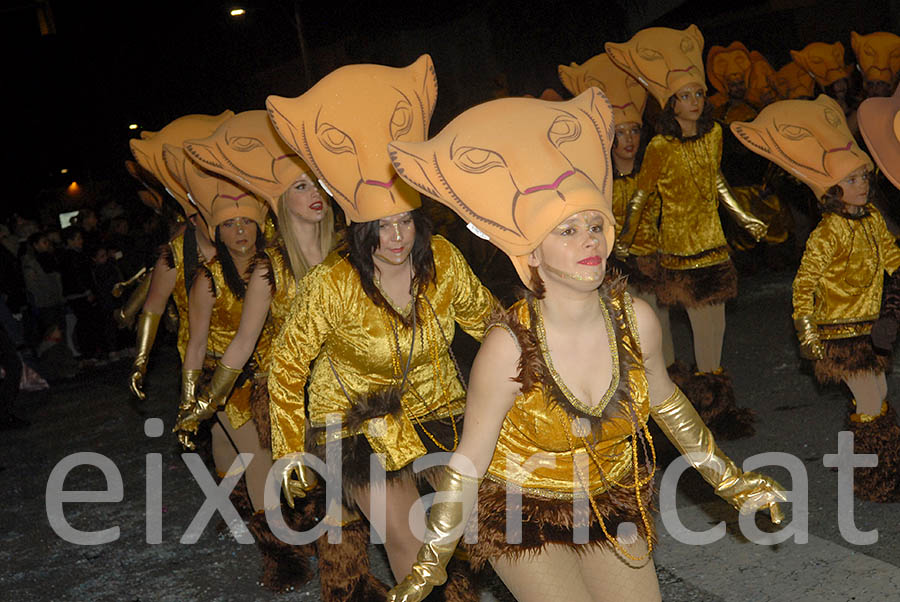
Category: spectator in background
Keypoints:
(43, 281)
(105, 275)
(90, 231)
(77, 278)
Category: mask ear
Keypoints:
(174, 160)
(140, 151)
(568, 79)
(840, 47)
(412, 162)
(752, 138)
(595, 104)
(695, 31)
(424, 70)
(202, 153)
(830, 103)
(147, 134)
(799, 58)
(618, 53)
(275, 106)
(855, 41)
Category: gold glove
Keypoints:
(446, 522)
(189, 380)
(629, 226)
(209, 401)
(124, 316)
(810, 346)
(146, 334)
(745, 491)
(296, 480)
(745, 220)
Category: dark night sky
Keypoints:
(70, 96)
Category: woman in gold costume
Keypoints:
(246, 150)
(179, 259)
(376, 318)
(565, 380)
(681, 165)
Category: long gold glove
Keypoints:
(629, 227)
(810, 346)
(206, 404)
(745, 220)
(189, 380)
(745, 491)
(446, 523)
(147, 325)
(124, 316)
(296, 480)
(119, 287)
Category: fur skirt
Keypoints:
(552, 521)
(698, 287)
(849, 357)
(643, 271)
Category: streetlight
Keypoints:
(237, 12)
(133, 126)
(64, 170)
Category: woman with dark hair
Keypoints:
(375, 319)
(681, 165)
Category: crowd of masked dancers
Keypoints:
(302, 323)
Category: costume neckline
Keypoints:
(592, 410)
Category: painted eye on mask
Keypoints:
(244, 144)
(868, 51)
(816, 60)
(477, 160)
(564, 129)
(334, 140)
(687, 45)
(401, 120)
(649, 54)
(794, 132)
(832, 118)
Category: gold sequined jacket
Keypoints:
(646, 234)
(841, 273)
(358, 347)
(684, 173)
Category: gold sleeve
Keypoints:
(820, 249)
(472, 301)
(313, 316)
(888, 244)
(652, 165)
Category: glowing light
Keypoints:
(73, 188)
(133, 126)
(64, 170)
(237, 12)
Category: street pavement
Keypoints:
(92, 414)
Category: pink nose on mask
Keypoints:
(842, 148)
(552, 186)
(387, 184)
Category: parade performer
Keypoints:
(728, 70)
(179, 259)
(681, 164)
(377, 318)
(246, 150)
(825, 62)
(837, 293)
(795, 83)
(878, 59)
(564, 382)
(628, 99)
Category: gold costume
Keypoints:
(335, 323)
(646, 233)
(684, 172)
(180, 292)
(840, 278)
(282, 278)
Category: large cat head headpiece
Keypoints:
(514, 168)
(728, 67)
(151, 194)
(879, 122)
(794, 82)
(761, 87)
(878, 55)
(148, 151)
(808, 138)
(341, 128)
(218, 199)
(663, 60)
(247, 150)
(825, 62)
(624, 93)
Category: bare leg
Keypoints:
(258, 469)
(867, 391)
(662, 312)
(222, 450)
(708, 328)
(611, 576)
(552, 574)
(401, 500)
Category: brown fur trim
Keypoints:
(849, 357)
(365, 407)
(203, 270)
(344, 567)
(643, 271)
(531, 364)
(699, 287)
(284, 566)
(713, 397)
(165, 253)
(356, 453)
(259, 410)
(546, 521)
(680, 373)
(262, 260)
(881, 436)
(461, 585)
(240, 499)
